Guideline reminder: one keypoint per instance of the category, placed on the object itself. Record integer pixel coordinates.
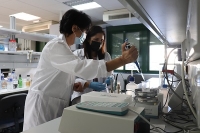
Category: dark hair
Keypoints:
(74, 17)
(86, 45)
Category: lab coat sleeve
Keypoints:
(108, 58)
(62, 58)
(76, 52)
(81, 81)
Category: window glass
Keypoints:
(117, 40)
(133, 39)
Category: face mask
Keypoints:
(95, 46)
(80, 40)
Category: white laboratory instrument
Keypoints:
(106, 97)
(112, 108)
(75, 120)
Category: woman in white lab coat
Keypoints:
(93, 48)
(53, 82)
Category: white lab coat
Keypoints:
(53, 82)
(80, 54)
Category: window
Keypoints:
(157, 54)
(133, 39)
(117, 40)
(137, 35)
(151, 50)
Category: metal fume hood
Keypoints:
(167, 19)
(171, 21)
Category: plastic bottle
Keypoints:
(118, 88)
(28, 81)
(3, 82)
(10, 82)
(20, 82)
(0, 82)
(12, 46)
(131, 86)
(110, 87)
(2, 48)
(15, 82)
(164, 90)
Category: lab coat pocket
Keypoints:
(55, 107)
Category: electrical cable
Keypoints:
(176, 121)
(167, 131)
(145, 120)
(184, 86)
(165, 67)
(165, 100)
(185, 128)
(178, 114)
(173, 124)
(166, 76)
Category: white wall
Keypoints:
(25, 71)
(54, 29)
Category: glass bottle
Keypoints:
(20, 83)
(28, 81)
(3, 82)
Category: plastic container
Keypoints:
(118, 88)
(3, 82)
(15, 81)
(28, 81)
(12, 46)
(2, 48)
(131, 86)
(0, 80)
(10, 82)
(164, 90)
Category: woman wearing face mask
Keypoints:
(53, 82)
(93, 48)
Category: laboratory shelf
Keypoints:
(7, 91)
(4, 31)
(28, 36)
(19, 59)
(35, 36)
(18, 52)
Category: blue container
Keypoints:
(2, 48)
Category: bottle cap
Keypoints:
(164, 86)
(132, 79)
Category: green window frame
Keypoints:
(144, 44)
(40, 46)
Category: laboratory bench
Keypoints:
(53, 125)
(6, 92)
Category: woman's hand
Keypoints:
(129, 55)
(78, 87)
